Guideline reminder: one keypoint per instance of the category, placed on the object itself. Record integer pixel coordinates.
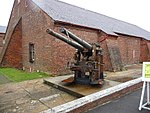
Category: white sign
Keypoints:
(146, 71)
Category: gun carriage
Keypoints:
(88, 58)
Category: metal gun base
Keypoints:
(84, 81)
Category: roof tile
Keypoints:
(65, 12)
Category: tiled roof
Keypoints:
(65, 12)
(2, 29)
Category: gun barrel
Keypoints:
(76, 38)
(70, 42)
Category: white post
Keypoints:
(142, 95)
(148, 100)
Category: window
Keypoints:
(31, 53)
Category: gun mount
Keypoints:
(88, 58)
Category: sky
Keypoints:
(132, 11)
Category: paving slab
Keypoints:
(132, 72)
(30, 97)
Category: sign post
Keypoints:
(146, 80)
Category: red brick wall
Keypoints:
(145, 54)
(1, 41)
(13, 54)
(121, 51)
(13, 29)
(51, 54)
(62, 52)
(36, 22)
(130, 49)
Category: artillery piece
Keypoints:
(88, 58)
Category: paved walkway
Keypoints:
(126, 104)
(30, 96)
(4, 80)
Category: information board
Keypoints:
(146, 71)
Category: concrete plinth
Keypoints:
(77, 90)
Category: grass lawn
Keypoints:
(19, 75)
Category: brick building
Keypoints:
(2, 34)
(29, 47)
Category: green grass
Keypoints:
(19, 75)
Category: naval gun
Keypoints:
(88, 59)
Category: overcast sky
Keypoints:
(133, 11)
